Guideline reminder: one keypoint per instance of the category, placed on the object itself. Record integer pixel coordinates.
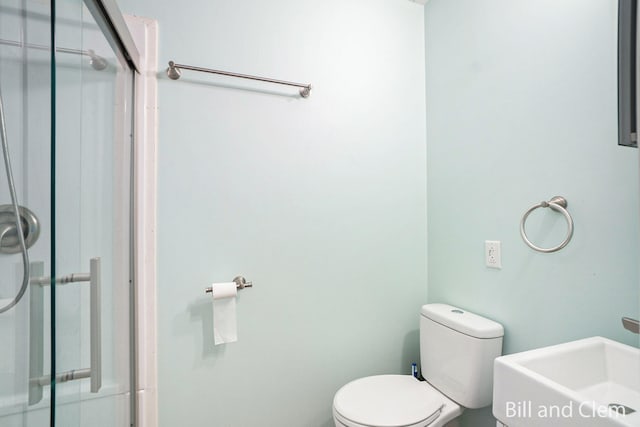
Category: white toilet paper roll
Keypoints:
(225, 328)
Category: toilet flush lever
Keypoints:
(240, 282)
(631, 325)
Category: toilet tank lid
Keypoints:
(463, 321)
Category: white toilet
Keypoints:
(457, 349)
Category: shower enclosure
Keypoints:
(66, 84)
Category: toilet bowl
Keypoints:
(457, 349)
(392, 401)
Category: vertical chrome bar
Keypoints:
(96, 327)
(36, 333)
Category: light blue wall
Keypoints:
(320, 202)
(521, 106)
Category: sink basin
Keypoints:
(589, 382)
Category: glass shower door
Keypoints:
(25, 94)
(65, 344)
(92, 186)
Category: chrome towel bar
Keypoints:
(174, 73)
(558, 204)
(96, 61)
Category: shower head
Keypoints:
(97, 62)
(173, 72)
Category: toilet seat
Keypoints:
(389, 401)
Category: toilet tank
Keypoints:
(457, 349)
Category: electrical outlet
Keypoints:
(492, 256)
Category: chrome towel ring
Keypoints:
(558, 204)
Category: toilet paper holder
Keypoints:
(240, 282)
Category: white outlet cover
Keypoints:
(492, 254)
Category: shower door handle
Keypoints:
(36, 353)
(36, 333)
(95, 325)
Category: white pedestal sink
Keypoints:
(589, 382)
